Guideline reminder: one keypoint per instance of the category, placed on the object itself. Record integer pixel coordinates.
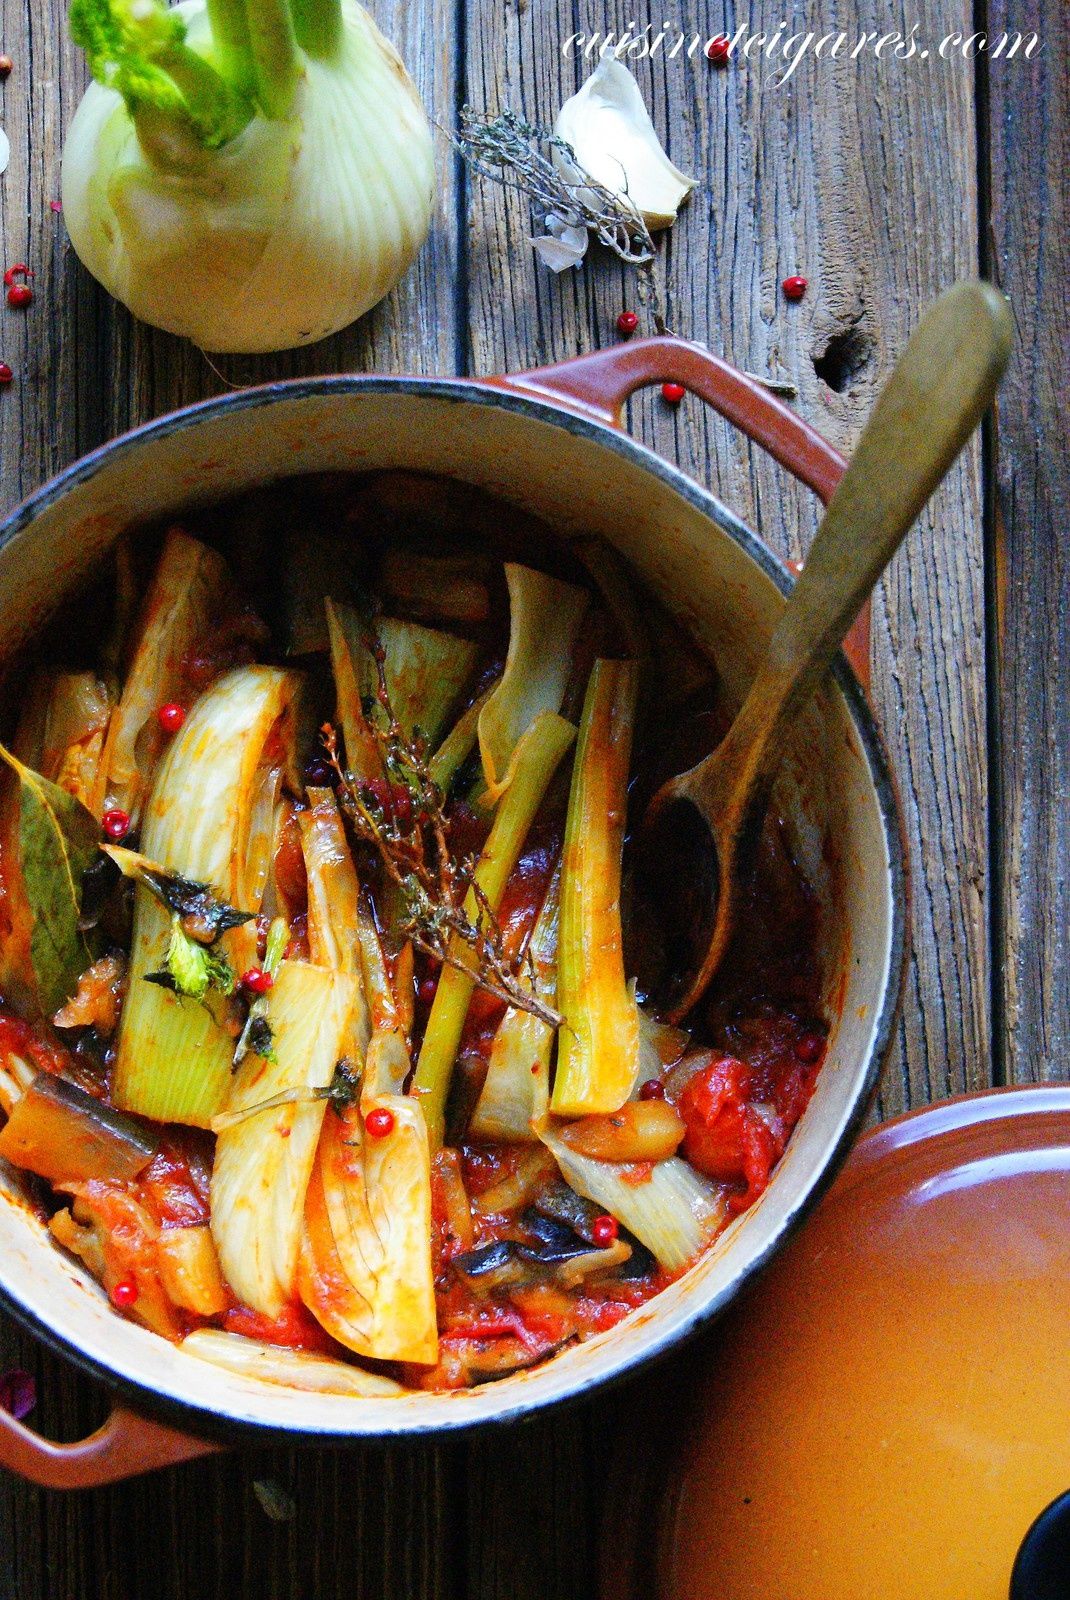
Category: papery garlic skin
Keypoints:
(289, 231)
(609, 128)
(563, 245)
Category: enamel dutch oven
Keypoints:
(550, 442)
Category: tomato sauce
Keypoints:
(294, 1328)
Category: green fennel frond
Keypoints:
(139, 49)
(191, 969)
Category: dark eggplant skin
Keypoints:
(486, 1259)
(640, 1264)
(551, 1241)
(65, 1135)
(564, 1205)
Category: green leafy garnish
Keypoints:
(138, 48)
(192, 969)
(260, 1038)
(345, 1086)
(204, 916)
(257, 1035)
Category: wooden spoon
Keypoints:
(711, 817)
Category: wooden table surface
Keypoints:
(882, 182)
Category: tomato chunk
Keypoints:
(726, 1138)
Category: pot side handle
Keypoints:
(125, 1447)
(598, 385)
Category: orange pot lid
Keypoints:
(888, 1410)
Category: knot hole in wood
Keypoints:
(846, 359)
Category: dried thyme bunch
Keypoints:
(510, 151)
(405, 821)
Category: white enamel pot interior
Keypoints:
(581, 476)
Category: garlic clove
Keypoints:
(609, 128)
(5, 150)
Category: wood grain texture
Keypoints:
(368, 1523)
(862, 176)
(1029, 119)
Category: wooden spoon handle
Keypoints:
(935, 397)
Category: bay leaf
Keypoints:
(55, 839)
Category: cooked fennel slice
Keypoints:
(517, 1086)
(436, 588)
(188, 1265)
(177, 613)
(333, 890)
(661, 1046)
(346, 633)
(293, 1369)
(262, 1164)
(544, 621)
(62, 727)
(598, 1058)
(537, 758)
(334, 905)
(366, 1269)
(174, 1059)
(425, 671)
(458, 744)
(675, 1213)
(342, 934)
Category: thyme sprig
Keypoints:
(413, 845)
(510, 151)
(341, 1094)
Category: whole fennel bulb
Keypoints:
(252, 174)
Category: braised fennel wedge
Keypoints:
(209, 818)
(544, 621)
(262, 1163)
(423, 672)
(535, 761)
(598, 1050)
(176, 616)
(516, 1090)
(321, 987)
(62, 727)
(366, 1270)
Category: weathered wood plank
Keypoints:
(860, 175)
(862, 178)
(1029, 121)
(532, 1508)
(371, 1523)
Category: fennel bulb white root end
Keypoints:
(262, 239)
